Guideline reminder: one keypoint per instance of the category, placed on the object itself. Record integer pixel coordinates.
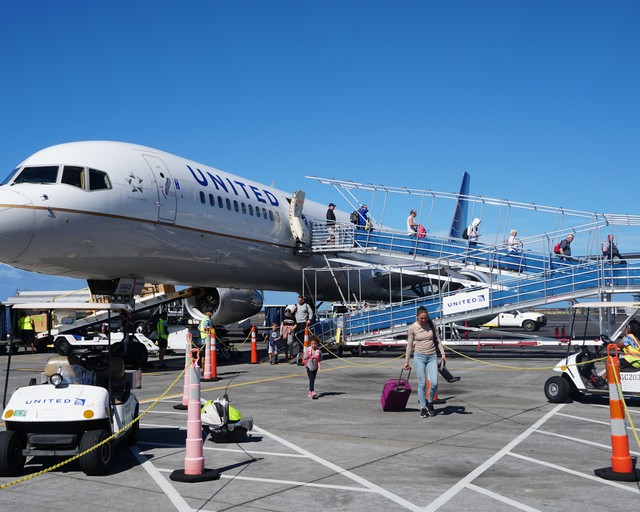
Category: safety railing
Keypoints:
(569, 282)
(434, 249)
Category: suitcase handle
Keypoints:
(404, 386)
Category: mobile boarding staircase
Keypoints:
(504, 280)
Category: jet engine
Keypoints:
(228, 304)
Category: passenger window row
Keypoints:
(238, 207)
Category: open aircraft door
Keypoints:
(299, 228)
(167, 199)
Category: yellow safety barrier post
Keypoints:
(622, 465)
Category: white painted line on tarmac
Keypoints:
(341, 471)
(633, 490)
(590, 420)
(461, 484)
(232, 450)
(632, 411)
(349, 488)
(293, 483)
(582, 418)
(166, 487)
(166, 412)
(581, 441)
(498, 497)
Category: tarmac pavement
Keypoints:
(496, 444)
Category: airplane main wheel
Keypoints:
(557, 389)
(98, 460)
(11, 458)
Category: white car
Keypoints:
(529, 321)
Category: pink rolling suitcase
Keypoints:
(396, 393)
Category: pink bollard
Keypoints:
(194, 470)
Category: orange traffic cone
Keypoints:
(621, 463)
(214, 356)
(254, 346)
(436, 400)
(210, 370)
(305, 344)
(556, 333)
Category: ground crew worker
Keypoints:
(630, 346)
(27, 331)
(162, 339)
(205, 326)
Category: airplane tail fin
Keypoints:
(459, 222)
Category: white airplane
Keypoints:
(113, 212)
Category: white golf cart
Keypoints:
(580, 376)
(81, 401)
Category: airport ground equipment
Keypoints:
(578, 374)
(136, 349)
(81, 402)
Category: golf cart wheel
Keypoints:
(11, 458)
(137, 355)
(134, 430)
(557, 389)
(62, 346)
(98, 460)
(529, 325)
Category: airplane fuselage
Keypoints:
(107, 210)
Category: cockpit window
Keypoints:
(98, 180)
(45, 174)
(8, 178)
(72, 175)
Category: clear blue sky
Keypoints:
(538, 100)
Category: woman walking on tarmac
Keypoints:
(422, 336)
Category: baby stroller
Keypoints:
(223, 422)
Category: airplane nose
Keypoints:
(17, 223)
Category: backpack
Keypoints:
(353, 218)
(556, 249)
(422, 232)
(465, 233)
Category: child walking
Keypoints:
(274, 337)
(311, 359)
